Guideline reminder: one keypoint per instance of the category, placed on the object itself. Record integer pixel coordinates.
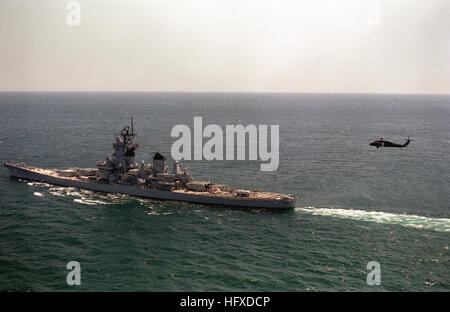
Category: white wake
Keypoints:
(414, 221)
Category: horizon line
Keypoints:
(223, 92)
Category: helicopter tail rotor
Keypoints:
(407, 142)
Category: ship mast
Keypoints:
(127, 135)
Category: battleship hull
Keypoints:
(30, 173)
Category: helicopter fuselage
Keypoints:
(384, 143)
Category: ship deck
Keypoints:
(253, 195)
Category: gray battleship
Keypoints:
(121, 174)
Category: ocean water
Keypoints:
(357, 203)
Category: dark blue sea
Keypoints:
(356, 203)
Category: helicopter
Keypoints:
(382, 142)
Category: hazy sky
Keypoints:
(392, 46)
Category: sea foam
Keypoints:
(413, 221)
